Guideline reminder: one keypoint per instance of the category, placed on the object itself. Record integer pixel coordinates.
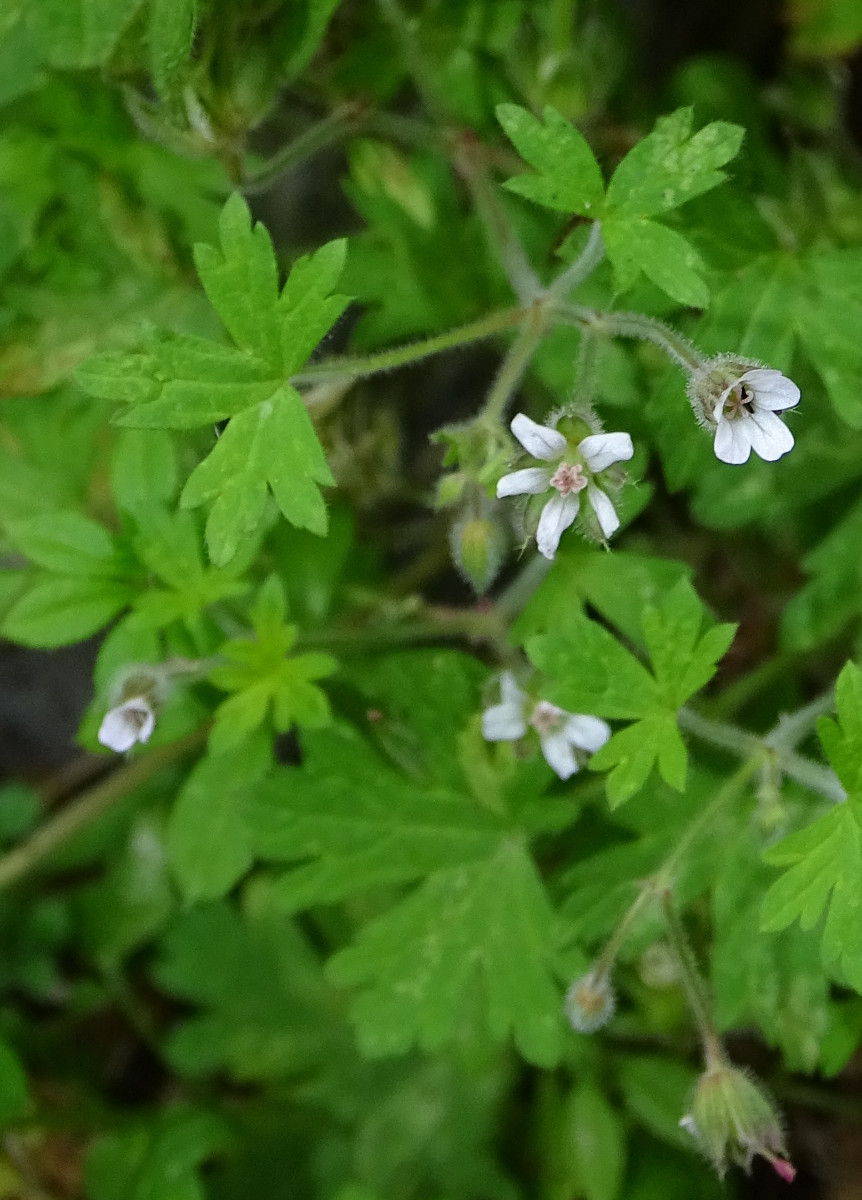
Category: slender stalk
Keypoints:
(323, 133)
(803, 770)
(514, 365)
(387, 360)
(582, 267)
(21, 860)
(662, 878)
(604, 963)
(793, 727)
(695, 988)
(635, 325)
(512, 256)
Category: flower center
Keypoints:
(568, 477)
(546, 718)
(740, 400)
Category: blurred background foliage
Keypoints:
(176, 1051)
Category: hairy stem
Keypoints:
(21, 860)
(694, 985)
(326, 132)
(635, 325)
(515, 364)
(582, 267)
(359, 366)
(812, 775)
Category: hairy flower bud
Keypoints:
(478, 544)
(733, 1120)
(590, 1003)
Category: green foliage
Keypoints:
(265, 681)
(823, 860)
(597, 674)
(323, 922)
(668, 168)
(179, 382)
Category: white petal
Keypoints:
(769, 436)
(771, 389)
(510, 691)
(557, 515)
(606, 514)
(538, 440)
(504, 722)
(732, 444)
(587, 733)
(532, 481)
(602, 449)
(559, 754)
(131, 722)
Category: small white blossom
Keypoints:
(570, 469)
(560, 732)
(128, 723)
(739, 401)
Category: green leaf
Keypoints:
(359, 823)
(266, 681)
(421, 961)
(67, 544)
(144, 469)
(57, 610)
(80, 33)
(632, 753)
(823, 874)
(672, 165)
(592, 672)
(272, 446)
(241, 280)
(156, 1161)
(170, 34)
(265, 1011)
(775, 980)
(599, 1143)
(180, 382)
(842, 741)
(208, 842)
(664, 256)
(569, 179)
(682, 661)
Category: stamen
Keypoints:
(568, 478)
(546, 717)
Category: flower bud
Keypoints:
(590, 1003)
(732, 1120)
(478, 544)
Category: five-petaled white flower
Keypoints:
(560, 733)
(746, 419)
(570, 468)
(130, 722)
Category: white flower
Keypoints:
(130, 722)
(570, 468)
(746, 419)
(560, 733)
